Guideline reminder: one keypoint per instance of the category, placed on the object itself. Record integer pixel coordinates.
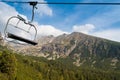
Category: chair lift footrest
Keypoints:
(21, 39)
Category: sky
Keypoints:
(53, 19)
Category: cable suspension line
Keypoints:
(68, 3)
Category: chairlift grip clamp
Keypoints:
(34, 6)
(33, 3)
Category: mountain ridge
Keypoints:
(83, 50)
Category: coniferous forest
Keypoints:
(14, 66)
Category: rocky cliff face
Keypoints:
(84, 50)
(81, 48)
(81, 44)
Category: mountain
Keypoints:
(83, 50)
(82, 44)
(74, 56)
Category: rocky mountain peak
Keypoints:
(80, 47)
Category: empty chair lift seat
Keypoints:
(13, 36)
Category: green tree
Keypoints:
(8, 64)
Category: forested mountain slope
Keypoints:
(19, 67)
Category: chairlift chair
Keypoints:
(13, 23)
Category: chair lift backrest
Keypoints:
(10, 36)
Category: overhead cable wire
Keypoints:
(67, 3)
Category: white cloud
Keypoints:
(87, 28)
(7, 11)
(45, 30)
(112, 34)
(42, 9)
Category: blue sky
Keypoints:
(97, 20)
